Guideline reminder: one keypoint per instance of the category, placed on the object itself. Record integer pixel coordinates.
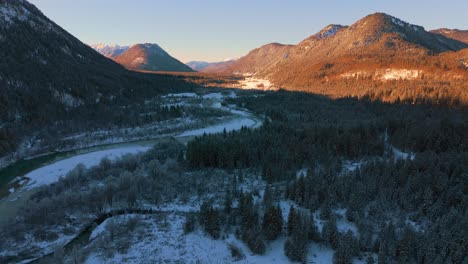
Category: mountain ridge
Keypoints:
(378, 48)
(457, 34)
(201, 65)
(109, 50)
(150, 57)
(53, 83)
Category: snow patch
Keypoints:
(51, 173)
(398, 154)
(217, 96)
(168, 244)
(252, 83)
(400, 74)
(384, 75)
(302, 172)
(180, 95)
(343, 225)
(398, 22)
(329, 31)
(68, 99)
(350, 166)
(8, 14)
(320, 254)
(139, 60)
(356, 75)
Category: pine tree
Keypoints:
(291, 220)
(325, 211)
(370, 259)
(210, 220)
(295, 247)
(272, 222)
(330, 233)
(189, 224)
(228, 203)
(267, 196)
(342, 255)
(314, 233)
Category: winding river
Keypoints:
(9, 206)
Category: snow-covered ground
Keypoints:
(398, 154)
(302, 172)
(384, 74)
(180, 95)
(169, 244)
(52, 173)
(349, 166)
(252, 83)
(343, 225)
(166, 243)
(217, 96)
(399, 74)
(229, 126)
(320, 254)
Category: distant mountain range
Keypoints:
(203, 65)
(145, 57)
(110, 51)
(461, 35)
(375, 51)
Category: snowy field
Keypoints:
(164, 241)
(252, 83)
(52, 173)
(167, 243)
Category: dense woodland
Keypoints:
(383, 197)
(405, 210)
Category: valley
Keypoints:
(349, 147)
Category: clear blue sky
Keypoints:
(214, 30)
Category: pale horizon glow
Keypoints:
(213, 30)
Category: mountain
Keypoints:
(259, 60)
(346, 61)
(150, 57)
(110, 51)
(44, 68)
(460, 35)
(203, 65)
(51, 81)
(197, 65)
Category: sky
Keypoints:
(215, 30)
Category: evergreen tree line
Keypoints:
(279, 149)
(406, 211)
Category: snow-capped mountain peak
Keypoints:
(329, 31)
(109, 50)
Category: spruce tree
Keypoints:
(291, 219)
(272, 222)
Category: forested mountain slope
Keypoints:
(48, 76)
(379, 56)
